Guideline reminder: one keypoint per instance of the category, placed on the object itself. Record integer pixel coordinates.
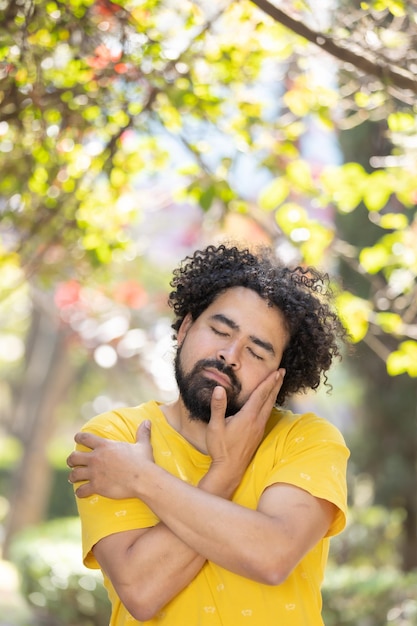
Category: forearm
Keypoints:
(152, 571)
(157, 565)
(219, 530)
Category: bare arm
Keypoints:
(148, 567)
(263, 545)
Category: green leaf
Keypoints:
(362, 99)
(389, 322)
(91, 241)
(401, 122)
(274, 194)
(291, 216)
(170, 116)
(314, 249)
(344, 185)
(394, 221)
(120, 118)
(403, 360)
(375, 258)
(299, 174)
(354, 312)
(91, 113)
(377, 191)
(118, 177)
(395, 7)
(206, 198)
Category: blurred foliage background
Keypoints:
(132, 133)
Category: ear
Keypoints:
(183, 329)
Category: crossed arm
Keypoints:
(149, 567)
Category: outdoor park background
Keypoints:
(131, 134)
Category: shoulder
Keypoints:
(310, 453)
(310, 425)
(121, 424)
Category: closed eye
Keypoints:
(216, 331)
(260, 358)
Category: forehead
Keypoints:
(249, 312)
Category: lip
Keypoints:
(220, 378)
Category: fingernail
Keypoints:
(280, 374)
(218, 393)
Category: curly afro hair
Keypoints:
(301, 294)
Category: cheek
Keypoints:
(250, 377)
(201, 345)
(195, 348)
(254, 374)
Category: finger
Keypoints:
(143, 432)
(84, 491)
(88, 440)
(77, 474)
(78, 458)
(276, 385)
(218, 405)
(273, 383)
(264, 396)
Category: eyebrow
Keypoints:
(219, 317)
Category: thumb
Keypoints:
(218, 406)
(143, 432)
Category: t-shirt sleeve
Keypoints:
(101, 516)
(314, 458)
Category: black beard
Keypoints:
(196, 390)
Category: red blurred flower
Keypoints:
(130, 293)
(103, 57)
(67, 294)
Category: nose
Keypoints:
(230, 355)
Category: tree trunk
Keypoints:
(386, 445)
(45, 380)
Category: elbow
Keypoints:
(139, 607)
(143, 614)
(272, 572)
(274, 576)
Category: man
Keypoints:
(217, 509)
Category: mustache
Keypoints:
(222, 367)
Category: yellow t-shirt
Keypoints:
(302, 450)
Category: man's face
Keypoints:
(196, 389)
(235, 343)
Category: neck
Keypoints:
(194, 431)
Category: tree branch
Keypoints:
(386, 73)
